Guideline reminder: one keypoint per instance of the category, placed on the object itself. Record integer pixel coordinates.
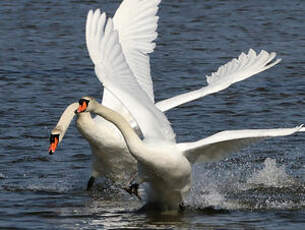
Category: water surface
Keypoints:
(45, 66)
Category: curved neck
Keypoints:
(133, 142)
(65, 120)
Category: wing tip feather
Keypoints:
(246, 65)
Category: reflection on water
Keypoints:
(45, 67)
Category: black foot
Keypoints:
(90, 183)
(181, 206)
(133, 189)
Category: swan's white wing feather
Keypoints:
(95, 27)
(234, 71)
(222, 144)
(113, 71)
(136, 23)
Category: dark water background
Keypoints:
(44, 66)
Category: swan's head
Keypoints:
(54, 140)
(86, 104)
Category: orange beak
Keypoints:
(82, 107)
(53, 143)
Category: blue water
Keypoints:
(44, 66)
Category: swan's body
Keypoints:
(166, 165)
(134, 40)
(110, 154)
(107, 144)
(162, 162)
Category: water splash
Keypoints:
(2, 176)
(211, 191)
(210, 198)
(267, 188)
(271, 176)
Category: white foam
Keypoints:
(271, 175)
(238, 188)
(210, 192)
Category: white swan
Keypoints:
(166, 165)
(162, 162)
(136, 23)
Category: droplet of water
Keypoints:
(271, 175)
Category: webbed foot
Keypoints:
(133, 189)
(90, 183)
(181, 206)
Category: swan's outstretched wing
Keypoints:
(236, 70)
(113, 71)
(222, 144)
(136, 22)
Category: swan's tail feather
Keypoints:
(238, 69)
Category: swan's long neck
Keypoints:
(133, 142)
(65, 120)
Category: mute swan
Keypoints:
(166, 165)
(136, 33)
(162, 162)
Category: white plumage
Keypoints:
(119, 49)
(163, 163)
(234, 71)
(166, 166)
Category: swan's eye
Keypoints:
(82, 101)
(83, 104)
